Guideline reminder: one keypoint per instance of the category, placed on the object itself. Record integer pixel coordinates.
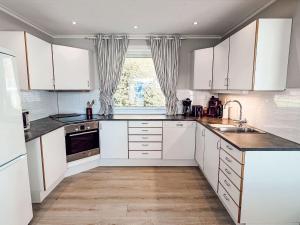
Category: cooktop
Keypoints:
(74, 118)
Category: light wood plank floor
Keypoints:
(133, 196)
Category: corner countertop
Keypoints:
(242, 141)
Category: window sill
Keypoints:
(139, 110)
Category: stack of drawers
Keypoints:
(231, 178)
(145, 139)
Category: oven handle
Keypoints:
(88, 132)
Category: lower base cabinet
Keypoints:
(113, 139)
(179, 139)
(47, 163)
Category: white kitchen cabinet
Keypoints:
(34, 59)
(211, 158)
(113, 139)
(71, 68)
(54, 155)
(47, 163)
(203, 69)
(259, 54)
(220, 65)
(179, 139)
(241, 58)
(200, 145)
(39, 59)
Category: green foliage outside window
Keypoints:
(138, 85)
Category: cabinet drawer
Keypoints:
(234, 152)
(136, 146)
(233, 177)
(145, 123)
(144, 154)
(228, 203)
(145, 130)
(179, 124)
(231, 162)
(157, 138)
(229, 187)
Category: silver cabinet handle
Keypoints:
(145, 138)
(145, 130)
(225, 83)
(227, 146)
(145, 123)
(209, 83)
(145, 145)
(218, 142)
(227, 183)
(226, 198)
(228, 160)
(227, 171)
(179, 125)
(145, 153)
(83, 133)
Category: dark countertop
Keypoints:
(242, 141)
(41, 127)
(251, 141)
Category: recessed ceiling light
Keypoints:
(195, 23)
(74, 22)
(135, 27)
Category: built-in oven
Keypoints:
(82, 140)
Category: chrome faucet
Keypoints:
(241, 122)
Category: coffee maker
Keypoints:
(187, 107)
(215, 108)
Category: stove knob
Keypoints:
(76, 129)
(88, 128)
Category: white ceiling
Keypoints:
(214, 17)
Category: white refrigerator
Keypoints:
(15, 200)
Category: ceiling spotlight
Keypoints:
(135, 27)
(74, 22)
(195, 23)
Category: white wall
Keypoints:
(275, 112)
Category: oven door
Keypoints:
(82, 144)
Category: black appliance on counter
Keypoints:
(215, 108)
(82, 140)
(197, 111)
(187, 107)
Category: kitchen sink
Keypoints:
(219, 125)
(239, 130)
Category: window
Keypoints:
(138, 86)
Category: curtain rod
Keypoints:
(146, 37)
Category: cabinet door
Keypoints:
(71, 68)
(179, 140)
(203, 66)
(54, 156)
(241, 58)
(200, 145)
(220, 68)
(113, 139)
(40, 68)
(211, 158)
(15, 42)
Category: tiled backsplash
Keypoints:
(274, 112)
(43, 103)
(39, 103)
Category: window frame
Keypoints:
(140, 50)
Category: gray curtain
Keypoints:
(165, 54)
(111, 51)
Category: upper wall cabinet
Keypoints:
(203, 68)
(220, 67)
(254, 58)
(34, 59)
(71, 68)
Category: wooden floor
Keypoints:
(133, 196)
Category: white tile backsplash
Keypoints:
(274, 112)
(39, 103)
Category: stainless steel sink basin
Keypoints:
(239, 130)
